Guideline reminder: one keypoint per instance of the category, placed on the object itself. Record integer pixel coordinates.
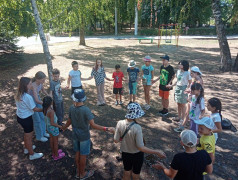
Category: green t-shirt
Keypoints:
(166, 74)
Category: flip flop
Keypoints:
(88, 175)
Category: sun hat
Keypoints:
(166, 57)
(79, 95)
(132, 63)
(206, 121)
(147, 58)
(189, 138)
(134, 111)
(196, 69)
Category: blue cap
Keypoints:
(79, 95)
(166, 57)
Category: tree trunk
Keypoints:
(136, 20)
(235, 68)
(43, 39)
(82, 33)
(226, 61)
(116, 32)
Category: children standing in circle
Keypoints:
(98, 73)
(117, 87)
(147, 78)
(38, 117)
(52, 127)
(134, 75)
(214, 105)
(25, 109)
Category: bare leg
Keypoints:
(135, 176)
(126, 175)
(52, 145)
(82, 162)
(179, 110)
(77, 161)
(28, 142)
(120, 98)
(183, 113)
(148, 94)
(55, 141)
(134, 97)
(145, 93)
(166, 103)
(116, 97)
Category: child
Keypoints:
(132, 145)
(25, 109)
(75, 78)
(214, 105)
(80, 116)
(134, 75)
(56, 91)
(147, 78)
(183, 82)
(117, 87)
(188, 165)
(52, 127)
(38, 117)
(99, 75)
(196, 75)
(166, 78)
(207, 140)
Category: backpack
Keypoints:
(227, 125)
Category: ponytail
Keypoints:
(198, 86)
(215, 102)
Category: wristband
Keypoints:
(105, 128)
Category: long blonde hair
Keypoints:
(22, 87)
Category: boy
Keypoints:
(117, 86)
(56, 93)
(80, 116)
(190, 164)
(166, 77)
(133, 74)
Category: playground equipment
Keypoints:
(168, 30)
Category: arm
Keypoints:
(202, 113)
(159, 153)
(51, 116)
(37, 100)
(44, 91)
(219, 127)
(68, 81)
(209, 168)
(212, 157)
(37, 109)
(102, 128)
(189, 84)
(152, 76)
(171, 173)
(68, 123)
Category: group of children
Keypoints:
(47, 115)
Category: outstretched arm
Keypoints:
(171, 173)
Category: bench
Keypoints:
(151, 39)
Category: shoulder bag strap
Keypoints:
(127, 129)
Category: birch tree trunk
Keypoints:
(116, 31)
(136, 20)
(82, 32)
(226, 61)
(43, 39)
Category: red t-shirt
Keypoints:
(117, 79)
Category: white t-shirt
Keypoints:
(183, 77)
(195, 109)
(216, 118)
(25, 106)
(75, 78)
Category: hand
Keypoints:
(67, 87)
(111, 129)
(63, 128)
(187, 91)
(201, 116)
(161, 154)
(158, 166)
(168, 86)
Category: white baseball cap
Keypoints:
(206, 121)
(196, 69)
(189, 138)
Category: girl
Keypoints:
(25, 109)
(132, 145)
(214, 105)
(52, 127)
(147, 78)
(98, 73)
(38, 117)
(196, 75)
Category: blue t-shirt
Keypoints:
(147, 72)
(133, 74)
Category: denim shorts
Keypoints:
(132, 87)
(82, 146)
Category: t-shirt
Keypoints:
(80, 117)
(207, 143)
(183, 77)
(133, 73)
(56, 90)
(25, 106)
(132, 140)
(98, 75)
(195, 109)
(117, 79)
(147, 72)
(190, 166)
(216, 118)
(75, 78)
(166, 74)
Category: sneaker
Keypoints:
(36, 156)
(147, 107)
(60, 155)
(43, 139)
(179, 129)
(161, 112)
(164, 112)
(116, 103)
(121, 103)
(47, 135)
(144, 105)
(60, 151)
(26, 150)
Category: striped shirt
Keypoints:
(98, 75)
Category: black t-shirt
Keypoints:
(166, 74)
(190, 166)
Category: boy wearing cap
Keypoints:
(80, 116)
(133, 74)
(166, 77)
(190, 164)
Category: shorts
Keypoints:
(73, 88)
(164, 94)
(146, 82)
(54, 131)
(179, 95)
(117, 91)
(132, 87)
(133, 162)
(82, 146)
(26, 123)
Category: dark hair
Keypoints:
(117, 66)
(74, 63)
(47, 101)
(215, 102)
(22, 87)
(55, 71)
(185, 65)
(198, 86)
(39, 75)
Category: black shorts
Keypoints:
(27, 124)
(133, 162)
(117, 91)
(73, 88)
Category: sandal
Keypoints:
(87, 175)
(176, 119)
